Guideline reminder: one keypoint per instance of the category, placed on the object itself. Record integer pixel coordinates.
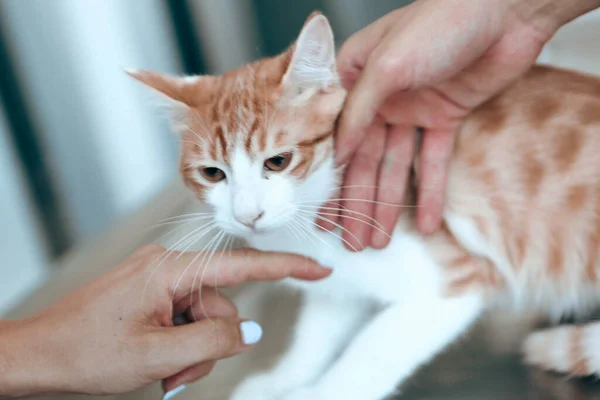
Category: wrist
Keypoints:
(28, 366)
(547, 16)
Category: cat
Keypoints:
(521, 221)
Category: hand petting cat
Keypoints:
(116, 334)
(426, 65)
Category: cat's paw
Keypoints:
(258, 387)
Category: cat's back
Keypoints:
(526, 176)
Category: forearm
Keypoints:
(547, 16)
(26, 362)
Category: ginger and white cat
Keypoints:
(521, 219)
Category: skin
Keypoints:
(116, 334)
(427, 65)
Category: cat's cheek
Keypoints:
(217, 196)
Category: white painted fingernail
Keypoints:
(172, 393)
(251, 332)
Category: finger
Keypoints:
(358, 192)
(206, 340)
(188, 375)
(239, 266)
(393, 178)
(435, 157)
(205, 303)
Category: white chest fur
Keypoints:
(388, 275)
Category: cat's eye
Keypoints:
(279, 162)
(212, 174)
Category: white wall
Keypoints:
(22, 252)
(576, 45)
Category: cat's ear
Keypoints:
(312, 65)
(176, 92)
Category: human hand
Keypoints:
(425, 65)
(116, 334)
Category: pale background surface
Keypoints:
(576, 46)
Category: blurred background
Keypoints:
(81, 144)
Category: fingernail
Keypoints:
(251, 332)
(172, 393)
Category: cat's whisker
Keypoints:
(186, 215)
(363, 187)
(307, 229)
(194, 240)
(228, 242)
(362, 200)
(333, 233)
(184, 246)
(288, 227)
(220, 236)
(282, 211)
(304, 230)
(357, 219)
(226, 247)
(339, 226)
(167, 253)
(342, 208)
(202, 253)
(183, 221)
(164, 237)
(310, 233)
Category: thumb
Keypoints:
(205, 340)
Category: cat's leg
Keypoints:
(324, 326)
(392, 347)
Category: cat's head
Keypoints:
(257, 142)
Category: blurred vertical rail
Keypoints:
(192, 53)
(27, 145)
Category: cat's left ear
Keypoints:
(312, 65)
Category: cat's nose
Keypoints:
(249, 220)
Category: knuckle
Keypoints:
(387, 65)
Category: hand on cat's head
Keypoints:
(257, 142)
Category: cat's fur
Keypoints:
(521, 219)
